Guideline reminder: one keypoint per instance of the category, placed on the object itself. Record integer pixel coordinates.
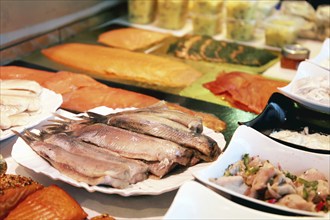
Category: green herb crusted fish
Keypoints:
(198, 47)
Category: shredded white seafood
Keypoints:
(304, 138)
(19, 100)
(314, 88)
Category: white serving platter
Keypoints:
(25, 156)
(50, 102)
(249, 141)
(310, 71)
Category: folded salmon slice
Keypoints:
(109, 62)
(48, 203)
(245, 91)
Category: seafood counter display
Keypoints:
(128, 140)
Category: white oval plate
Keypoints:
(249, 141)
(307, 69)
(50, 102)
(25, 156)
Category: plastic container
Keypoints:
(208, 7)
(298, 8)
(282, 30)
(207, 24)
(141, 11)
(323, 22)
(240, 30)
(293, 55)
(241, 9)
(171, 14)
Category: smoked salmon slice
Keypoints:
(109, 62)
(244, 91)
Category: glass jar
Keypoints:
(141, 11)
(292, 55)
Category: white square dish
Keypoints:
(249, 141)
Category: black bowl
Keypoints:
(283, 113)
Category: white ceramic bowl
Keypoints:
(249, 141)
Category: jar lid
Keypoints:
(295, 51)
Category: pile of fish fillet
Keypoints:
(123, 148)
(19, 99)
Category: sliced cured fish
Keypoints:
(245, 91)
(17, 72)
(81, 93)
(131, 38)
(123, 64)
(13, 190)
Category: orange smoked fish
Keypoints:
(81, 93)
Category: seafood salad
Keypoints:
(304, 138)
(123, 148)
(314, 88)
(260, 179)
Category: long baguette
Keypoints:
(127, 65)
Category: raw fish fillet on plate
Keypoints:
(131, 38)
